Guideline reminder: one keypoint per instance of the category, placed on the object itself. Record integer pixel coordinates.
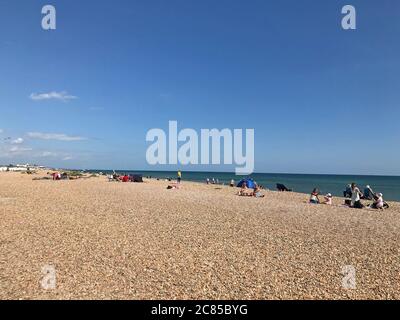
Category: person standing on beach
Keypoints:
(179, 176)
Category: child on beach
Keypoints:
(314, 196)
(328, 199)
(379, 203)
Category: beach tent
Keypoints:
(136, 178)
(282, 187)
(248, 182)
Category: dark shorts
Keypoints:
(358, 205)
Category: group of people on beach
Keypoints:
(212, 181)
(248, 192)
(244, 191)
(352, 194)
(178, 181)
(353, 197)
(314, 198)
(59, 176)
(120, 178)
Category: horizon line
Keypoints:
(233, 173)
(204, 171)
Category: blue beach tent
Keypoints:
(249, 183)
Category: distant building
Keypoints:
(19, 168)
(13, 169)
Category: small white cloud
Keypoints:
(62, 96)
(17, 141)
(46, 154)
(54, 136)
(17, 149)
(51, 154)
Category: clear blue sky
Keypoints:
(321, 99)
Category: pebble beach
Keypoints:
(110, 240)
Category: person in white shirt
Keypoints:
(356, 197)
(378, 203)
(328, 199)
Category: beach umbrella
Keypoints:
(249, 183)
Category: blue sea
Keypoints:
(303, 183)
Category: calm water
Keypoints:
(304, 183)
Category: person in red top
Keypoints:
(125, 178)
(56, 176)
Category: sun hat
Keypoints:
(329, 195)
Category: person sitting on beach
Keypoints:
(174, 186)
(356, 197)
(125, 178)
(56, 176)
(379, 203)
(232, 184)
(347, 192)
(115, 176)
(208, 180)
(244, 191)
(257, 193)
(314, 196)
(328, 199)
(368, 193)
